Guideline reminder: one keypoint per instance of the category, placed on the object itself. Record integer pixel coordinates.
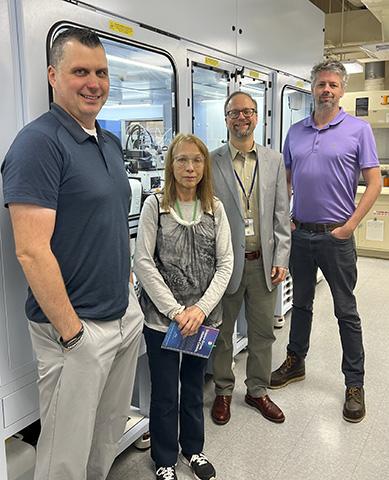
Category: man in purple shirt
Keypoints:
(324, 155)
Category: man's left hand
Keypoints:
(342, 233)
(278, 275)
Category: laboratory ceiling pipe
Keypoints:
(374, 76)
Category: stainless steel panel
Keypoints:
(203, 21)
(15, 348)
(287, 36)
(20, 404)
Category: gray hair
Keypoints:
(234, 94)
(83, 35)
(330, 65)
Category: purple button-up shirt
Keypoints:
(325, 165)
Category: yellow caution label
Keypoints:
(120, 28)
(211, 61)
(254, 74)
(300, 84)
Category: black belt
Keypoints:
(317, 227)
(252, 255)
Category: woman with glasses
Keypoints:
(183, 261)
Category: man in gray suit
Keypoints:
(250, 181)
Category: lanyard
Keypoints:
(180, 213)
(247, 197)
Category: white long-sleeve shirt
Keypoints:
(151, 279)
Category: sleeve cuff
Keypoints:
(175, 312)
(203, 308)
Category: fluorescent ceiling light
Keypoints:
(257, 91)
(208, 92)
(139, 64)
(353, 67)
(250, 80)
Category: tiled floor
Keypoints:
(314, 442)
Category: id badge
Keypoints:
(249, 227)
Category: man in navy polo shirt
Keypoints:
(324, 155)
(68, 195)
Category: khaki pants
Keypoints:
(259, 312)
(85, 395)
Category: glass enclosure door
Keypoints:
(140, 109)
(210, 88)
(257, 89)
(296, 105)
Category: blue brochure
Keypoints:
(199, 344)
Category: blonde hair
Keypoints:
(204, 187)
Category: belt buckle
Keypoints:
(252, 255)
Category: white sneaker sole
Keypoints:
(185, 461)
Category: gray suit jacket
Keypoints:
(274, 221)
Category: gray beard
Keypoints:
(325, 106)
(240, 134)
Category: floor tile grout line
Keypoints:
(300, 436)
(374, 422)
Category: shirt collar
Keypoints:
(234, 151)
(72, 126)
(309, 122)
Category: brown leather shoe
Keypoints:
(220, 412)
(267, 408)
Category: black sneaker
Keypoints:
(354, 406)
(166, 473)
(292, 370)
(201, 467)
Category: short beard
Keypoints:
(243, 134)
(325, 106)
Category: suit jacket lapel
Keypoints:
(263, 167)
(224, 163)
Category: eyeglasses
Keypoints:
(183, 161)
(247, 113)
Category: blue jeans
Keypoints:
(337, 260)
(167, 410)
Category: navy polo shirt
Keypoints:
(54, 163)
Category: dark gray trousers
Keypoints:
(337, 260)
(259, 313)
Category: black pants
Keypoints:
(337, 260)
(167, 410)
